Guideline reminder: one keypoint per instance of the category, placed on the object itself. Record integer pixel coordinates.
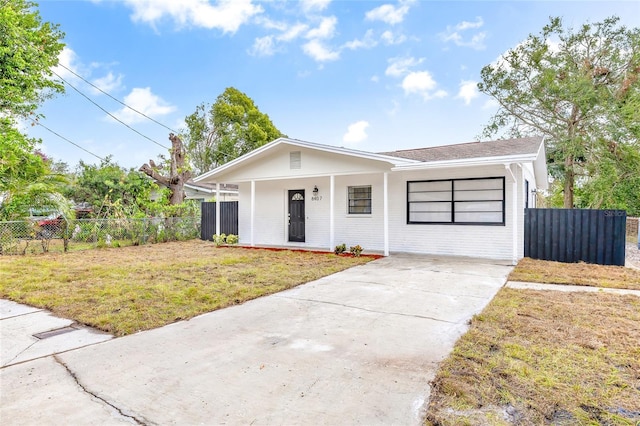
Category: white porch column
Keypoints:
(217, 208)
(332, 182)
(253, 210)
(514, 213)
(514, 210)
(385, 209)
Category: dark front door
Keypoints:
(296, 215)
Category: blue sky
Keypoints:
(369, 75)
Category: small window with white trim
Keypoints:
(359, 199)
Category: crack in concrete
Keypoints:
(417, 288)
(19, 353)
(21, 315)
(367, 310)
(87, 391)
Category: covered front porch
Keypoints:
(315, 213)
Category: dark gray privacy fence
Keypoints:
(228, 219)
(574, 235)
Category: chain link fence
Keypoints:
(58, 235)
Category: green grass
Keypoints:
(128, 289)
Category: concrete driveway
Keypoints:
(357, 347)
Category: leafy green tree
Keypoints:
(580, 90)
(614, 182)
(231, 127)
(29, 48)
(26, 180)
(110, 189)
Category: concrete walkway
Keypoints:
(569, 288)
(357, 347)
(29, 333)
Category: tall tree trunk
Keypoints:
(569, 180)
(178, 171)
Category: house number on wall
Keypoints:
(316, 198)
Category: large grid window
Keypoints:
(359, 199)
(456, 201)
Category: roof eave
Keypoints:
(238, 160)
(540, 168)
(468, 162)
(394, 161)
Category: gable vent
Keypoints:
(295, 160)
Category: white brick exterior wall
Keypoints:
(271, 208)
(270, 228)
(488, 241)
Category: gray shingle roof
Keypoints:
(498, 148)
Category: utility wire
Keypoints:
(107, 112)
(65, 139)
(224, 154)
(115, 99)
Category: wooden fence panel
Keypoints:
(574, 235)
(228, 219)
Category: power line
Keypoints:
(107, 112)
(65, 139)
(224, 154)
(115, 99)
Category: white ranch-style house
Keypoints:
(461, 200)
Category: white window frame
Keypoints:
(352, 189)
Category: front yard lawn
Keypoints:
(124, 290)
(547, 357)
(543, 271)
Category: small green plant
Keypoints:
(220, 239)
(341, 248)
(356, 250)
(232, 239)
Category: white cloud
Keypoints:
(146, 102)
(314, 5)
(389, 38)
(293, 32)
(356, 132)
(400, 66)
(454, 34)
(466, 25)
(468, 91)
(367, 42)
(224, 15)
(69, 59)
(263, 46)
(70, 67)
(320, 52)
(270, 24)
(389, 13)
(375, 78)
(554, 45)
(422, 83)
(394, 109)
(326, 29)
(109, 83)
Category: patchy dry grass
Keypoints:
(543, 271)
(536, 357)
(124, 290)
